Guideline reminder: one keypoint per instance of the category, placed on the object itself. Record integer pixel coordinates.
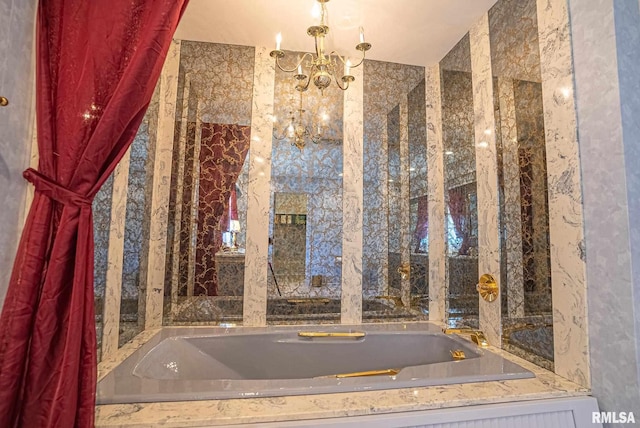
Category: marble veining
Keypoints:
(152, 287)
(565, 198)
(352, 201)
(435, 176)
(405, 212)
(258, 192)
(115, 256)
(486, 174)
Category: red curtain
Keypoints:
(97, 65)
(223, 150)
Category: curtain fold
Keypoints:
(96, 68)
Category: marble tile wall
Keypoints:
(605, 43)
(17, 20)
(566, 230)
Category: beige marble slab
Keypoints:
(273, 409)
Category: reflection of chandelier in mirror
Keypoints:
(297, 132)
(322, 66)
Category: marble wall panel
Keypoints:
(158, 188)
(438, 302)
(113, 277)
(605, 44)
(486, 175)
(352, 201)
(566, 230)
(259, 190)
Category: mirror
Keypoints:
(289, 240)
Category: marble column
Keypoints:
(512, 199)
(566, 236)
(435, 177)
(405, 209)
(606, 59)
(486, 174)
(259, 191)
(177, 218)
(152, 285)
(352, 201)
(115, 255)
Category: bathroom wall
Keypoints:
(606, 53)
(17, 23)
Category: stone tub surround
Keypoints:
(261, 410)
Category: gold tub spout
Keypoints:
(404, 270)
(477, 336)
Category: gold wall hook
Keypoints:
(4, 101)
(488, 287)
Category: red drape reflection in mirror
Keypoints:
(97, 65)
(223, 150)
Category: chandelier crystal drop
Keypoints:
(321, 68)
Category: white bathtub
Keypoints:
(185, 364)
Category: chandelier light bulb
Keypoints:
(278, 41)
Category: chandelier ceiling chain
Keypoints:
(322, 67)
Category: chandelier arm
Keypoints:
(346, 85)
(295, 68)
(361, 60)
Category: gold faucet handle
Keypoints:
(479, 339)
(404, 270)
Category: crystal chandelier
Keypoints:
(321, 68)
(297, 132)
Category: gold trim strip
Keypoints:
(312, 334)
(389, 372)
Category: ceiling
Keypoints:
(415, 32)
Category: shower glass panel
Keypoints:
(393, 131)
(524, 214)
(204, 275)
(461, 210)
(305, 270)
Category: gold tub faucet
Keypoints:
(477, 336)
